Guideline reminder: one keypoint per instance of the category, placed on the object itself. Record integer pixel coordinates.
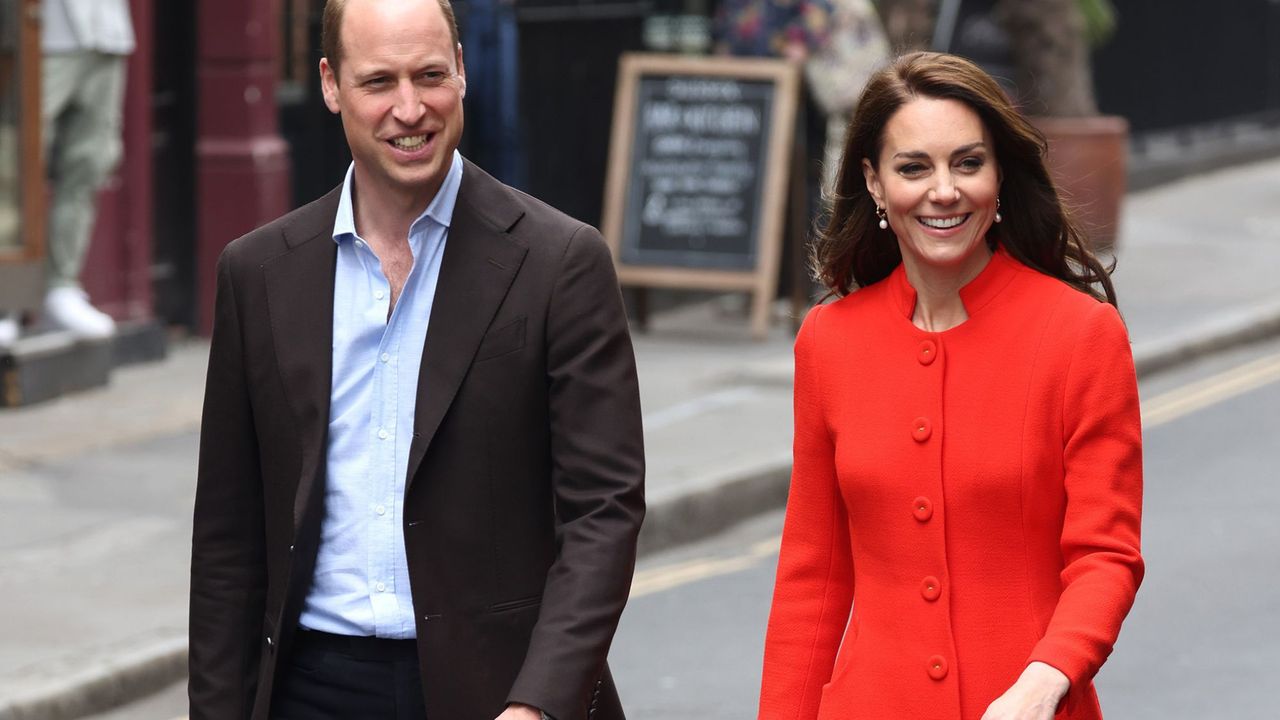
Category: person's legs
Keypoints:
(82, 109)
(83, 145)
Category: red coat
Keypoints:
(973, 495)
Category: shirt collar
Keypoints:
(440, 209)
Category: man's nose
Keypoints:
(409, 107)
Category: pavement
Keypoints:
(96, 488)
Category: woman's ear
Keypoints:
(873, 182)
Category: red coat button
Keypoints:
(931, 589)
(921, 429)
(937, 667)
(922, 508)
(928, 351)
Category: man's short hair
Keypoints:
(331, 29)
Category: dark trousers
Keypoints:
(334, 677)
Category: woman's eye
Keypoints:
(912, 169)
(971, 163)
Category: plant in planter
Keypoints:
(1050, 42)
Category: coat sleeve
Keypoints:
(814, 588)
(597, 475)
(1102, 459)
(228, 575)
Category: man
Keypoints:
(421, 465)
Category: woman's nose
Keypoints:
(945, 191)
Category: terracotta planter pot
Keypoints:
(1088, 157)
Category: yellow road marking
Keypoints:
(657, 579)
(1198, 395)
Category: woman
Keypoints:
(962, 531)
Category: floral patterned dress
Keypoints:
(764, 28)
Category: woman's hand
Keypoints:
(1034, 696)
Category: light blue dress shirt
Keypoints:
(361, 584)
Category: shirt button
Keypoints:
(921, 429)
(381, 587)
(937, 667)
(381, 510)
(928, 351)
(379, 295)
(922, 508)
(359, 243)
(383, 434)
(931, 589)
(385, 357)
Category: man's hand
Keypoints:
(516, 711)
(1034, 696)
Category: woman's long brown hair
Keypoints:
(1037, 229)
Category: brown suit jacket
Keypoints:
(525, 484)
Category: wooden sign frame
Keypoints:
(761, 281)
(22, 271)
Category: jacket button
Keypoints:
(270, 643)
(937, 667)
(928, 351)
(922, 508)
(921, 429)
(931, 589)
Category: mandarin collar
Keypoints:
(975, 295)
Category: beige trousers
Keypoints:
(81, 109)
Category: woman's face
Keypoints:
(938, 181)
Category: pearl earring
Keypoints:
(884, 221)
(998, 218)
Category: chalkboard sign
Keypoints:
(699, 170)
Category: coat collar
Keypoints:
(481, 259)
(975, 295)
(299, 284)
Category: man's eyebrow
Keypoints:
(922, 155)
(367, 74)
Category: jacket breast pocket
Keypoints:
(502, 340)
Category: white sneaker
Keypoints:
(68, 308)
(8, 329)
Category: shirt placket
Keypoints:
(381, 506)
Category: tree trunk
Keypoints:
(908, 23)
(1049, 47)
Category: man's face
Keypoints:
(399, 90)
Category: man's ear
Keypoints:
(462, 73)
(873, 182)
(329, 86)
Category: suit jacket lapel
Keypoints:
(299, 286)
(480, 261)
